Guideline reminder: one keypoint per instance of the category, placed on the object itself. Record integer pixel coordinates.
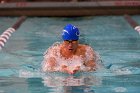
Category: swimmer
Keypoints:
(69, 56)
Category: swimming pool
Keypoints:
(111, 36)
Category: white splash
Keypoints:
(120, 89)
(54, 81)
(29, 74)
(71, 63)
(121, 71)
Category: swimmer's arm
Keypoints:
(91, 64)
(49, 65)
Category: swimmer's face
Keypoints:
(71, 45)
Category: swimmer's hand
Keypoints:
(76, 69)
(70, 70)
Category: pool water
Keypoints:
(117, 43)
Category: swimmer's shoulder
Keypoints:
(85, 47)
(53, 49)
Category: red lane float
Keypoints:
(133, 23)
(7, 33)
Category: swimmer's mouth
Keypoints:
(71, 49)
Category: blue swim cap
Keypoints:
(70, 32)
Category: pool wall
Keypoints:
(88, 8)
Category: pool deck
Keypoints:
(59, 9)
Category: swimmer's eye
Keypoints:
(70, 41)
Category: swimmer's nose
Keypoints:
(70, 45)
